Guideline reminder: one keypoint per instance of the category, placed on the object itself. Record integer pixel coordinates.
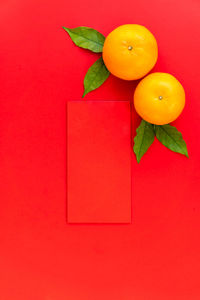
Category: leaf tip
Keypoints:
(187, 155)
(66, 29)
(136, 154)
(84, 94)
(186, 151)
(138, 159)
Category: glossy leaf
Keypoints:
(86, 38)
(171, 138)
(95, 77)
(143, 139)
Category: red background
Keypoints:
(43, 257)
(99, 162)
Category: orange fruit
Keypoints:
(159, 98)
(130, 51)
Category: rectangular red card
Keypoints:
(99, 166)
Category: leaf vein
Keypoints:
(96, 42)
(142, 138)
(89, 86)
(171, 137)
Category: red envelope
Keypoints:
(99, 167)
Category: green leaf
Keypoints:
(143, 140)
(95, 76)
(86, 38)
(171, 138)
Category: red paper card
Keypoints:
(99, 149)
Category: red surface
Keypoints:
(44, 258)
(98, 162)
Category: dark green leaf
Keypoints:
(171, 138)
(95, 76)
(86, 38)
(143, 139)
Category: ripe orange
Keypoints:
(159, 98)
(130, 51)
